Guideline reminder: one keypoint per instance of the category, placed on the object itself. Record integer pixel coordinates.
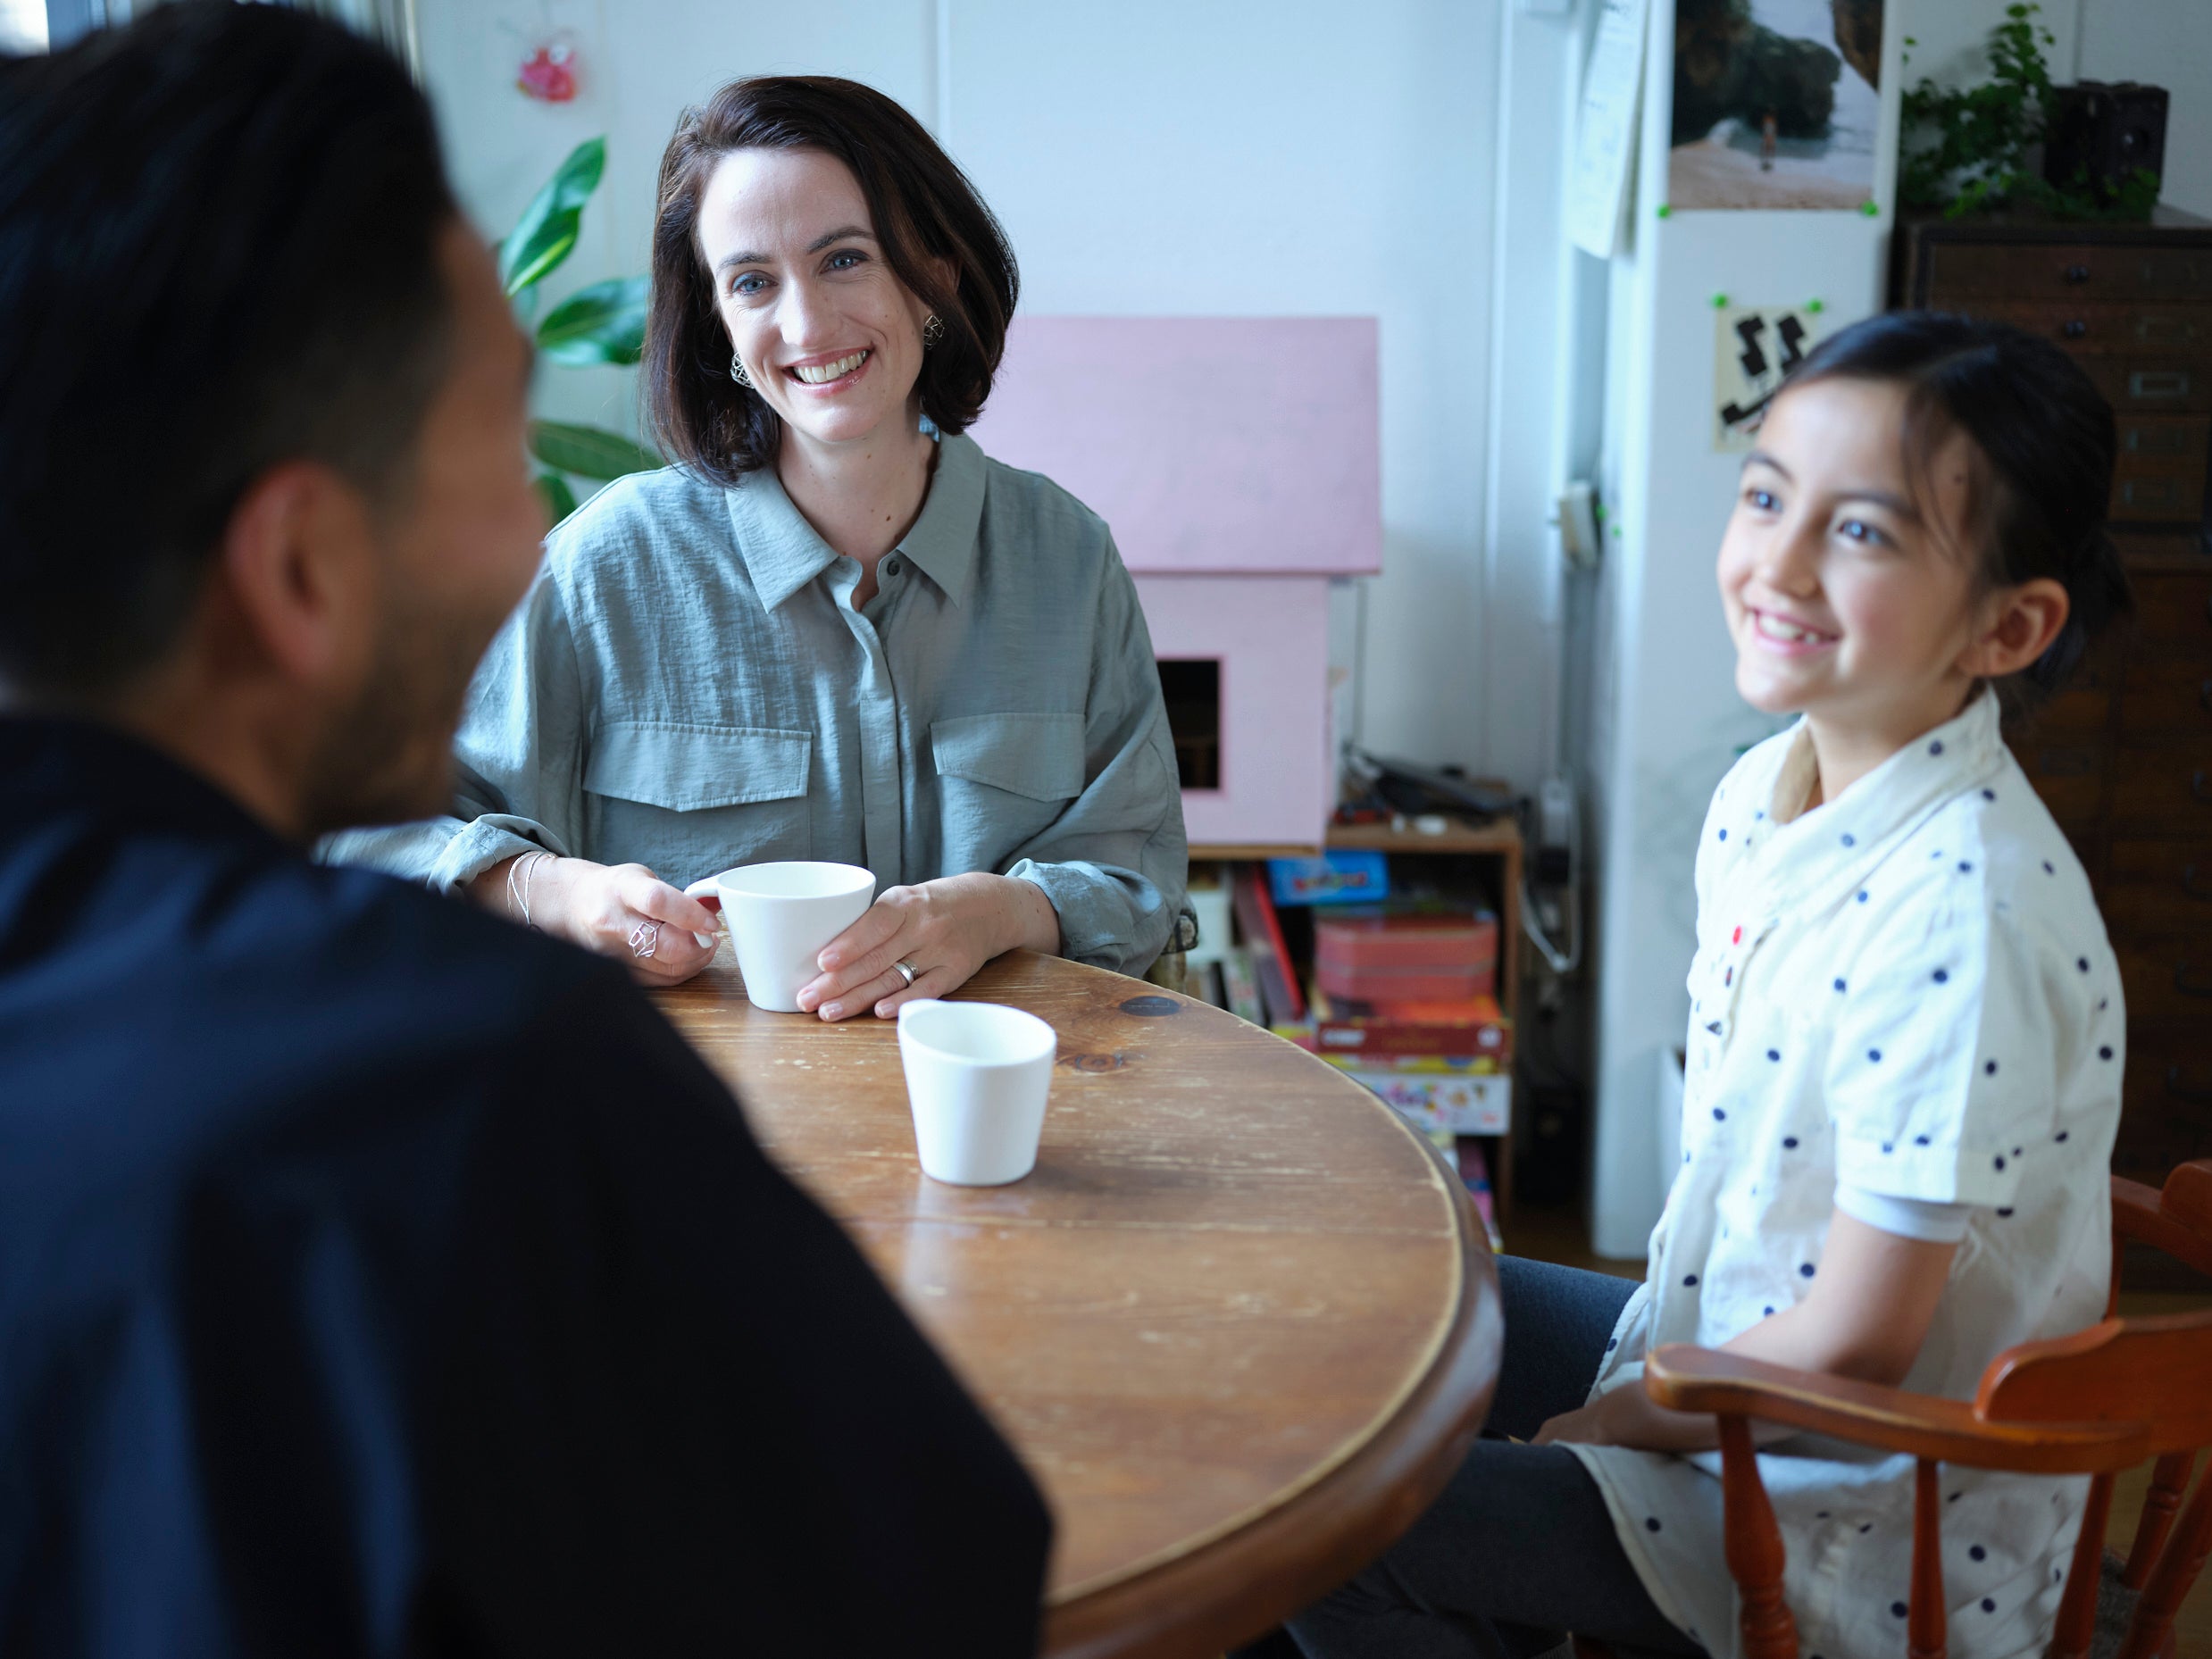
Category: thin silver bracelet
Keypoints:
(518, 893)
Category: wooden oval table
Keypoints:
(1240, 1321)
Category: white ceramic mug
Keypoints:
(977, 1075)
(780, 916)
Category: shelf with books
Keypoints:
(1446, 1063)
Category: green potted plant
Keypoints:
(1969, 149)
(604, 323)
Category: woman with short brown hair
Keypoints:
(834, 629)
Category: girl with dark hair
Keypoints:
(834, 629)
(1903, 1061)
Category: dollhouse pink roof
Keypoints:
(1211, 445)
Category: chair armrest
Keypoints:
(1689, 1379)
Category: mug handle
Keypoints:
(706, 891)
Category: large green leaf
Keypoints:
(546, 232)
(588, 451)
(559, 499)
(603, 324)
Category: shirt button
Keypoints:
(891, 569)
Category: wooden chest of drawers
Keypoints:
(2124, 759)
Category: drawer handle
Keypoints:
(2194, 888)
(2175, 1086)
(2188, 984)
(2154, 383)
(2074, 327)
(2075, 273)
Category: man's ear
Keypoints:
(299, 563)
(2017, 628)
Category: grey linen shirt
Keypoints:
(687, 686)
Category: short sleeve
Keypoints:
(1923, 1218)
(1945, 1059)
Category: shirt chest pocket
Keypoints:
(691, 800)
(1002, 779)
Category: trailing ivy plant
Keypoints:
(604, 323)
(1967, 149)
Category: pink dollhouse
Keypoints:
(1239, 462)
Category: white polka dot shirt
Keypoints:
(1903, 995)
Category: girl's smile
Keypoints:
(1786, 636)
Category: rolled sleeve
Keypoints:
(1115, 865)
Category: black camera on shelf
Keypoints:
(2102, 133)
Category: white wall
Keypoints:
(1264, 157)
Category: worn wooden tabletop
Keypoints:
(1240, 1322)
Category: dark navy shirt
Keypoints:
(378, 1277)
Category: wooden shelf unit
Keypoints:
(1500, 840)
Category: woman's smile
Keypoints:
(825, 374)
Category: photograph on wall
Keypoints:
(1775, 104)
(1754, 346)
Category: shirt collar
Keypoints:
(782, 552)
(942, 542)
(59, 762)
(1843, 840)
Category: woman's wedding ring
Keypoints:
(905, 969)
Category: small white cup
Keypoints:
(780, 916)
(977, 1077)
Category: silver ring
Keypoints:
(905, 968)
(645, 938)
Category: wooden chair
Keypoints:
(2094, 1403)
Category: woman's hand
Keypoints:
(622, 911)
(943, 930)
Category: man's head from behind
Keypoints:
(264, 495)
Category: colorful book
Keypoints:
(1459, 1104)
(1351, 876)
(1242, 985)
(1471, 1027)
(1475, 1170)
(1277, 974)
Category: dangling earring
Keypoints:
(933, 331)
(738, 374)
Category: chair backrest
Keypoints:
(2156, 1372)
(2177, 1219)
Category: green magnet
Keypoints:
(1720, 302)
